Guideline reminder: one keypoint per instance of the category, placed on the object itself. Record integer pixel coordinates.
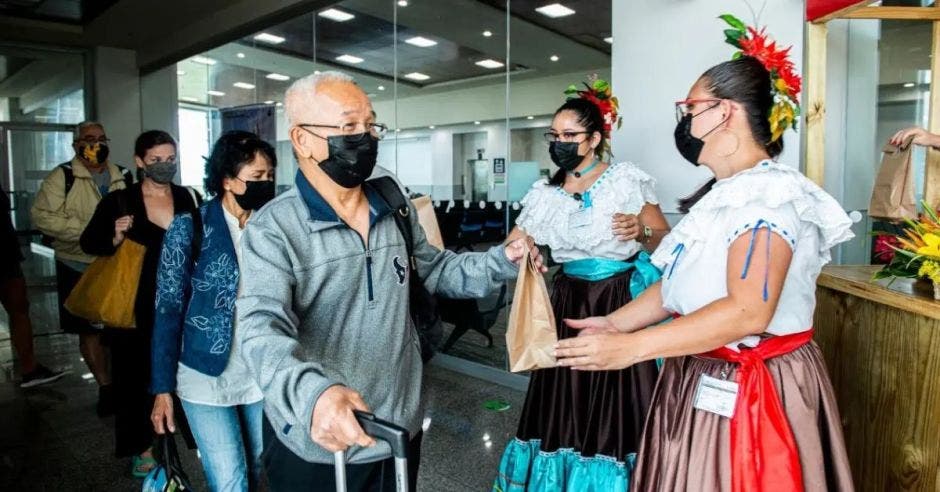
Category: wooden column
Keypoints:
(814, 107)
(932, 167)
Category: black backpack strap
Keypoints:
(389, 191)
(69, 176)
(128, 177)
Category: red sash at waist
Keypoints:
(764, 456)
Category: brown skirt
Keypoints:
(687, 449)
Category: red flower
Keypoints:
(884, 247)
(605, 106)
(776, 60)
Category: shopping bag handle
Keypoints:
(395, 436)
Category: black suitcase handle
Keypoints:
(397, 437)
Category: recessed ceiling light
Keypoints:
(269, 102)
(398, 130)
(381, 87)
(487, 34)
(553, 58)
(909, 84)
(609, 40)
(240, 55)
(431, 127)
(489, 63)
(316, 72)
(336, 15)
(402, 3)
(530, 117)
(180, 72)
(421, 42)
(279, 104)
(244, 85)
(203, 60)
(189, 98)
(277, 76)
(476, 122)
(215, 93)
(269, 38)
(554, 10)
(349, 59)
(416, 76)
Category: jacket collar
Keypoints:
(320, 210)
(215, 221)
(80, 171)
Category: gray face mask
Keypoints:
(161, 172)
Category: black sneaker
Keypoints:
(105, 406)
(40, 375)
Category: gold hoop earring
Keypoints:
(737, 141)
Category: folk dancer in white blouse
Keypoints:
(580, 431)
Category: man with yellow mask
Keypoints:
(64, 204)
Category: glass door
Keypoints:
(27, 153)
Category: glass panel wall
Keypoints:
(467, 88)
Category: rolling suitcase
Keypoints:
(394, 435)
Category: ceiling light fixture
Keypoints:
(555, 10)
(609, 40)
(489, 63)
(553, 58)
(336, 15)
(180, 73)
(909, 84)
(421, 42)
(487, 33)
(349, 59)
(381, 87)
(215, 93)
(189, 99)
(279, 104)
(240, 55)
(269, 38)
(402, 3)
(476, 122)
(431, 127)
(277, 76)
(244, 85)
(530, 117)
(269, 102)
(203, 60)
(417, 76)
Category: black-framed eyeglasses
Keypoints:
(378, 130)
(94, 140)
(687, 106)
(563, 136)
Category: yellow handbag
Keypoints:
(108, 289)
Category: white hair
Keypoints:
(303, 90)
(84, 126)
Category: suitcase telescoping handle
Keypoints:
(394, 435)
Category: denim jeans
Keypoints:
(230, 444)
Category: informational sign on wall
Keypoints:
(499, 165)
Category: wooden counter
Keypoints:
(882, 347)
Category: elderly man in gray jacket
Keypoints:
(323, 312)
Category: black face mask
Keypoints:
(257, 193)
(565, 155)
(688, 145)
(351, 159)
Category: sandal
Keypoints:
(142, 465)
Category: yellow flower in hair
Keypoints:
(781, 86)
(931, 245)
(781, 118)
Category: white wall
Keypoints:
(660, 48)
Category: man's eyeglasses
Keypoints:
(94, 140)
(378, 130)
(688, 106)
(563, 136)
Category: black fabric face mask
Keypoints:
(565, 155)
(256, 195)
(688, 145)
(351, 158)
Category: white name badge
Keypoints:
(581, 218)
(716, 396)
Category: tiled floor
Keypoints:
(51, 440)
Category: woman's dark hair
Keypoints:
(590, 117)
(230, 153)
(150, 139)
(747, 82)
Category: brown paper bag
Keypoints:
(428, 221)
(892, 197)
(531, 335)
(107, 291)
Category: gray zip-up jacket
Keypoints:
(319, 307)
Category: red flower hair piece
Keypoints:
(598, 92)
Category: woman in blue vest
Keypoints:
(195, 341)
(580, 431)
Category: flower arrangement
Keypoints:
(784, 81)
(917, 251)
(598, 92)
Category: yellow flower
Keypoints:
(932, 245)
(930, 269)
